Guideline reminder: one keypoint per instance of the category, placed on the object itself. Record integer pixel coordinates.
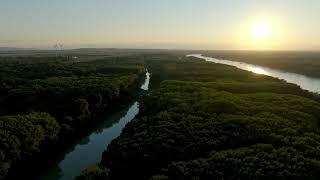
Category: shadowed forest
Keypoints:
(47, 102)
(199, 120)
(204, 121)
(159, 90)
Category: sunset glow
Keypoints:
(261, 31)
(209, 24)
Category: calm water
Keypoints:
(145, 86)
(89, 150)
(305, 82)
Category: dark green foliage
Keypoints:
(209, 121)
(260, 160)
(200, 121)
(54, 87)
(94, 173)
(74, 93)
(221, 77)
(23, 135)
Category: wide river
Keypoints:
(305, 82)
(89, 150)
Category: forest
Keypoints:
(199, 120)
(48, 102)
(301, 62)
(159, 89)
(209, 121)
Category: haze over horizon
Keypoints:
(167, 24)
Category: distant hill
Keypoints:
(117, 50)
(16, 49)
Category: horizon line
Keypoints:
(167, 49)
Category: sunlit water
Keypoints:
(89, 150)
(145, 86)
(305, 82)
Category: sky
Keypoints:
(165, 24)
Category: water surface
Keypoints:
(145, 86)
(89, 150)
(305, 82)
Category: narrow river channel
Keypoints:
(89, 150)
(305, 82)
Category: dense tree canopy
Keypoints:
(23, 135)
(68, 96)
(94, 172)
(200, 120)
(206, 121)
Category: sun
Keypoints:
(261, 31)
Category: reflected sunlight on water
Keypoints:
(257, 70)
(305, 82)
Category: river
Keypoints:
(305, 82)
(89, 150)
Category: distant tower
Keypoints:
(60, 46)
(56, 49)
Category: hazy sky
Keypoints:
(191, 24)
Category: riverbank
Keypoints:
(51, 154)
(208, 121)
(69, 98)
(299, 62)
(89, 149)
(305, 82)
